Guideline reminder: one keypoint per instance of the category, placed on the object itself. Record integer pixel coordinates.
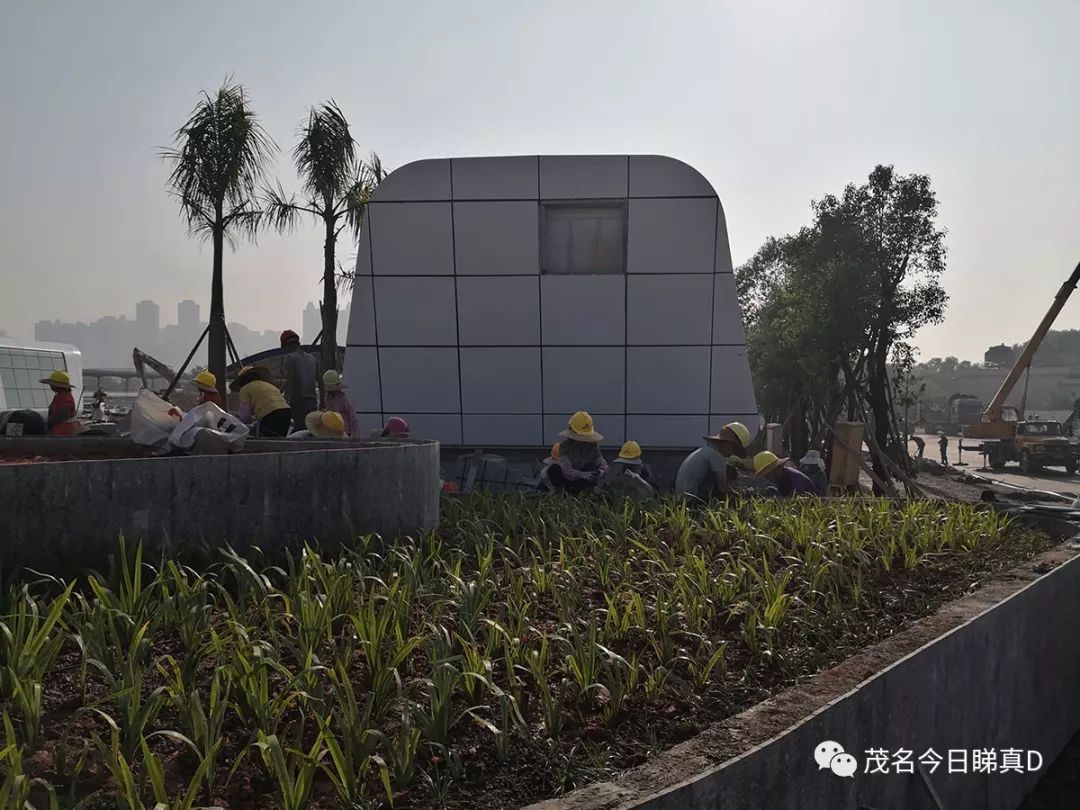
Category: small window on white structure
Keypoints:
(584, 238)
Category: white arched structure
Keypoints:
(495, 296)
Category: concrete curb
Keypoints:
(58, 515)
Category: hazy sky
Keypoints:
(775, 102)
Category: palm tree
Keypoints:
(218, 161)
(336, 186)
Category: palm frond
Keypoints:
(281, 210)
(219, 157)
(354, 202)
(325, 155)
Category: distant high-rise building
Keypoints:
(187, 316)
(312, 322)
(147, 326)
(148, 315)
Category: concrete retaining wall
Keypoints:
(71, 513)
(1008, 678)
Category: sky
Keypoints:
(776, 103)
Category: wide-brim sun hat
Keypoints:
(581, 429)
(813, 457)
(58, 379)
(765, 462)
(325, 424)
(249, 374)
(734, 433)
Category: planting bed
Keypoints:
(527, 647)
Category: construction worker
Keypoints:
(544, 481)
(580, 464)
(943, 446)
(99, 398)
(337, 400)
(920, 445)
(787, 480)
(61, 420)
(262, 401)
(322, 425)
(300, 371)
(705, 472)
(206, 382)
(812, 465)
(628, 476)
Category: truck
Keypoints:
(959, 410)
(1004, 434)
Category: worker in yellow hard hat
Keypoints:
(206, 382)
(61, 420)
(628, 476)
(787, 480)
(706, 472)
(579, 464)
(322, 425)
(543, 481)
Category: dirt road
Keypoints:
(1050, 479)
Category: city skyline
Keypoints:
(775, 104)
(108, 341)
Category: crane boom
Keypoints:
(993, 410)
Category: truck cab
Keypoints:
(1035, 444)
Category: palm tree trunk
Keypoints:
(216, 345)
(329, 302)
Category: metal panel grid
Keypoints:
(685, 370)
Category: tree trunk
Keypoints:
(329, 302)
(216, 343)
(879, 408)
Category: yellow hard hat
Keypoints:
(740, 430)
(765, 461)
(206, 381)
(630, 451)
(58, 379)
(581, 428)
(331, 380)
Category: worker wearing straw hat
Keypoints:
(322, 425)
(580, 463)
(704, 473)
(61, 420)
(206, 382)
(337, 400)
(260, 399)
(787, 480)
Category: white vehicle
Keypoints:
(24, 363)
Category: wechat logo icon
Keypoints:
(831, 755)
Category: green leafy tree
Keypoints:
(336, 186)
(828, 307)
(218, 161)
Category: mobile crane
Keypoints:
(1004, 434)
